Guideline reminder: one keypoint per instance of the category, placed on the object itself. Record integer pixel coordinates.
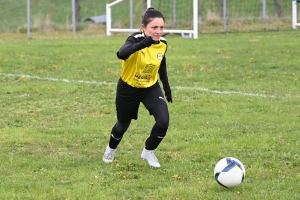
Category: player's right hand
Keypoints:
(147, 42)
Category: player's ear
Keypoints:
(143, 27)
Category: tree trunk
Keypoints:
(278, 9)
(221, 7)
(200, 9)
(77, 11)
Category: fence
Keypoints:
(56, 15)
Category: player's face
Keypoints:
(155, 28)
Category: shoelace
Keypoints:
(111, 154)
(152, 155)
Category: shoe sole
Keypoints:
(154, 167)
(107, 161)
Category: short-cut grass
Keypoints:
(233, 95)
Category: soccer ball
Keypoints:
(229, 172)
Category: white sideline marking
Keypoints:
(106, 83)
(59, 80)
(226, 92)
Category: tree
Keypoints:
(221, 3)
(200, 8)
(278, 8)
(77, 11)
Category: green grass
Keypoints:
(234, 95)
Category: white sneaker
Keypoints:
(109, 154)
(150, 157)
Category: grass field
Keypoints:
(233, 95)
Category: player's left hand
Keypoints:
(169, 96)
(168, 92)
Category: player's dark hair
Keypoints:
(150, 14)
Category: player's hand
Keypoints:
(147, 42)
(168, 92)
(168, 95)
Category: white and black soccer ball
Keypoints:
(229, 172)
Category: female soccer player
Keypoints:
(143, 61)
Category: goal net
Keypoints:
(181, 17)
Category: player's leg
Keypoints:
(157, 107)
(159, 130)
(116, 136)
(117, 133)
(127, 109)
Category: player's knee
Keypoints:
(160, 131)
(161, 116)
(122, 127)
(163, 122)
(119, 129)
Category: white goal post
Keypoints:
(190, 33)
(295, 17)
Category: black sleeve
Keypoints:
(163, 75)
(127, 49)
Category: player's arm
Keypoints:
(163, 75)
(131, 47)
